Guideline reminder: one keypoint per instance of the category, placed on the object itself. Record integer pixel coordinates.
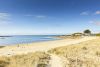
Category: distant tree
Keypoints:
(87, 31)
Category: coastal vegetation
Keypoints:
(98, 34)
(85, 54)
(25, 60)
(2, 46)
(87, 31)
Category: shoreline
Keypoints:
(53, 39)
(32, 42)
(40, 46)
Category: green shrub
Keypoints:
(98, 34)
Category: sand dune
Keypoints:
(84, 54)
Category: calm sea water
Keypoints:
(18, 39)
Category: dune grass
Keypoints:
(85, 54)
(25, 60)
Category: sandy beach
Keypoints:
(40, 46)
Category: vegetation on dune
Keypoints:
(86, 54)
(2, 46)
(25, 60)
(98, 34)
(3, 63)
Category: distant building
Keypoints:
(87, 34)
(77, 34)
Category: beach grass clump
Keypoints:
(84, 48)
(97, 53)
(2, 46)
(98, 34)
(3, 63)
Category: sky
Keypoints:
(30, 17)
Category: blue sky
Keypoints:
(48, 16)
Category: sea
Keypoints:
(25, 39)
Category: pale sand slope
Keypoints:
(40, 46)
(56, 61)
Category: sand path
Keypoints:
(56, 61)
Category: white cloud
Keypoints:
(84, 13)
(36, 16)
(29, 15)
(95, 23)
(4, 22)
(4, 18)
(97, 12)
(92, 13)
(40, 16)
